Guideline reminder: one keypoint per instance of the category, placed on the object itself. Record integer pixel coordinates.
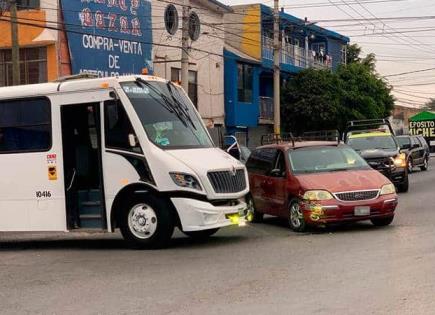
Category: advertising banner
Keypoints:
(423, 128)
(108, 37)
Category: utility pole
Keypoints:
(276, 70)
(14, 43)
(307, 46)
(185, 47)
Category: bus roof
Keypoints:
(69, 85)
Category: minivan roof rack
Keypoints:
(321, 135)
(274, 138)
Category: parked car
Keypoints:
(416, 150)
(379, 147)
(312, 183)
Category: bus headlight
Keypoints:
(400, 160)
(317, 195)
(388, 189)
(185, 180)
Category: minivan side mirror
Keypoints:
(276, 172)
(132, 140)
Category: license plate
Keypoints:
(362, 211)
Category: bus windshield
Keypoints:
(167, 115)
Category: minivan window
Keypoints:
(25, 125)
(325, 159)
(167, 115)
(261, 161)
(373, 142)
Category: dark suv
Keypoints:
(416, 150)
(374, 140)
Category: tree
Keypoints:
(320, 99)
(310, 101)
(353, 55)
(353, 52)
(363, 94)
(430, 105)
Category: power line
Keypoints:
(111, 37)
(409, 72)
(326, 4)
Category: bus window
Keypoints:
(118, 127)
(25, 125)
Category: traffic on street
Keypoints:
(256, 269)
(217, 157)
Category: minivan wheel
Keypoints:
(201, 235)
(253, 215)
(147, 223)
(382, 221)
(296, 218)
(425, 165)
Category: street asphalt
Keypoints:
(259, 269)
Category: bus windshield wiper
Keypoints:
(167, 103)
(183, 108)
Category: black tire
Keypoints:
(201, 235)
(425, 165)
(382, 221)
(403, 187)
(410, 166)
(295, 218)
(161, 218)
(253, 215)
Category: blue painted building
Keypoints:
(248, 67)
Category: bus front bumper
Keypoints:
(197, 215)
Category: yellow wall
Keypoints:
(27, 35)
(251, 32)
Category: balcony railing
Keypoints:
(266, 110)
(295, 55)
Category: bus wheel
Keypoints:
(147, 223)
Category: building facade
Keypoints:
(249, 64)
(400, 118)
(206, 46)
(38, 44)
(115, 37)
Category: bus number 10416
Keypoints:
(43, 194)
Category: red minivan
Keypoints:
(317, 183)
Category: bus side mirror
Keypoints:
(132, 140)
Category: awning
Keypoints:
(423, 116)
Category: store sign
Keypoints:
(108, 37)
(423, 128)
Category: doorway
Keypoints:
(81, 138)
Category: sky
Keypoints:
(400, 45)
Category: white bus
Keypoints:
(129, 153)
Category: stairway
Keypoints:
(90, 209)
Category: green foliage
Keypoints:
(320, 99)
(310, 102)
(352, 53)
